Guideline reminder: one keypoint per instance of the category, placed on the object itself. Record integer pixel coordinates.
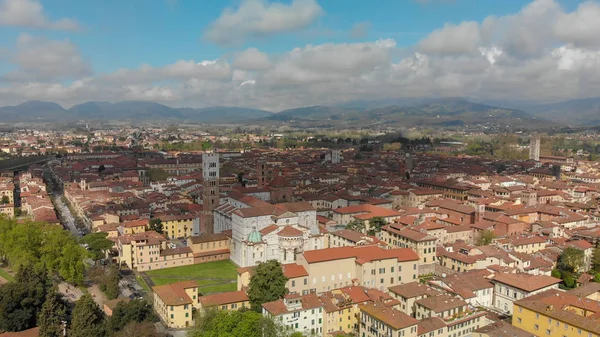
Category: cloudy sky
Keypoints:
(288, 53)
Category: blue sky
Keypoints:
(127, 33)
(101, 37)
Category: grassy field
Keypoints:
(212, 277)
(6, 276)
(218, 270)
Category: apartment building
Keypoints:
(509, 288)
(149, 250)
(368, 266)
(419, 241)
(302, 313)
(380, 320)
(409, 293)
(209, 247)
(174, 303)
(554, 313)
(232, 300)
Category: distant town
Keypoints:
(343, 233)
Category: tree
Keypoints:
(485, 238)
(127, 312)
(375, 225)
(5, 200)
(597, 277)
(112, 283)
(71, 265)
(101, 168)
(356, 225)
(87, 319)
(52, 315)
(571, 260)
(156, 225)
(22, 301)
(98, 244)
(267, 284)
(596, 260)
(241, 323)
(556, 273)
(139, 329)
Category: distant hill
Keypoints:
(33, 110)
(126, 110)
(422, 112)
(579, 112)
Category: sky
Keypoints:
(282, 54)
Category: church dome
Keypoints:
(255, 236)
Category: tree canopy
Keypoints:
(98, 244)
(241, 323)
(571, 260)
(137, 310)
(22, 301)
(356, 225)
(375, 225)
(87, 319)
(42, 245)
(156, 225)
(52, 315)
(485, 238)
(267, 284)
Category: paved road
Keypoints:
(67, 219)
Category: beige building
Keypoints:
(421, 242)
(378, 319)
(177, 226)
(409, 293)
(148, 251)
(174, 303)
(209, 247)
(233, 300)
(368, 266)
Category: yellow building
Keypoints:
(134, 227)
(233, 300)
(148, 251)
(209, 247)
(554, 313)
(422, 243)
(177, 226)
(7, 210)
(174, 303)
(378, 319)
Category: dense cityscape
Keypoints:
(302, 168)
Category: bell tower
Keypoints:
(210, 193)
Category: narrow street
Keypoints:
(64, 213)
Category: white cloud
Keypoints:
(256, 18)
(360, 30)
(252, 59)
(534, 54)
(581, 27)
(30, 13)
(452, 39)
(38, 58)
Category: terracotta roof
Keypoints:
(502, 329)
(413, 289)
(441, 303)
(293, 270)
(33, 332)
(223, 298)
(361, 253)
(174, 294)
(289, 231)
(527, 282)
(391, 317)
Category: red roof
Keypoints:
(361, 253)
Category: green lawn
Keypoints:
(6, 276)
(219, 269)
(218, 288)
(143, 284)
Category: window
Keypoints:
(519, 319)
(536, 327)
(537, 316)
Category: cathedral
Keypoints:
(262, 231)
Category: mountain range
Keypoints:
(392, 112)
